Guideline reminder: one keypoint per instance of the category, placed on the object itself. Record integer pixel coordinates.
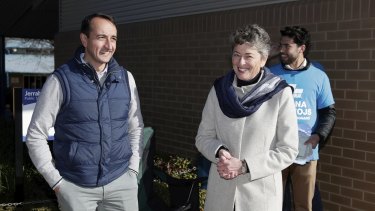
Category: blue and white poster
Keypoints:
(29, 98)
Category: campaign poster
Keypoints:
(29, 98)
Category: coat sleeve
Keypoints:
(43, 118)
(206, 140)
(285, 148)
(135, 126)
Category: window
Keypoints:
(33, 81)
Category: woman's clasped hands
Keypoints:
(228, 166)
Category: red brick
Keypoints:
(347, 44)
(346, 84)
(324, 195)
(354, 154)
(366, 166)
(345, 104)
(366, 186)
(347, 65)
(361, 125)
(370, 157)
(367, 64)
(325, 45)
(370, 197)
(366, 85)
(365, 146)
(370, 136)
(363, 205)
(328, 205)
(337, 74)
(347, 209)
(318, 36)
(323, 177)
(338, 94)
(329, 65)
(327, 26)
(357, 74)
(342, 181)
(370, 177)
(337, 132)
(366, 106)
(350, 192)
(368, 23)
(367, 44)
(324, 11)
(354, 24)
(332, 150)
(340, 10)
(360, 34)
(348, 124)
(317, 55)
(364, 8)
(355, 10)
(339, 54)
(353, 134)
(340, 199)
(359, 54)
(332, 169)
(337, 35)
(330, 187)
(325, 158)
(348, 5)
(357, 95)
(343, 162)
(353, 173)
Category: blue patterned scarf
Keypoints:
(234, 107)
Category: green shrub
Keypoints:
(177, 167)
(35, 188)
(7, 171)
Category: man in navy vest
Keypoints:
(93, 105)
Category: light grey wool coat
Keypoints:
(267, 140)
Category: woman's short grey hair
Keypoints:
(255, 36)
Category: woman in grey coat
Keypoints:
(248, 129)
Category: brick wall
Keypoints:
(176, 60)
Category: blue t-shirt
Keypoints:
(312, 91)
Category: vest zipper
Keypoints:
(99, 89)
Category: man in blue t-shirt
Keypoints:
(315, 110)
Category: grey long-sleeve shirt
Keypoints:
(44, 117)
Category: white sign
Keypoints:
(29, 98)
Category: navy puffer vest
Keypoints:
(91, 146)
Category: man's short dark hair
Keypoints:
(299, 35)
(85, 26)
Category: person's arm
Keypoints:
(326, 111)
(285, 149)
(43, 118)
(206, 140)
(135, 126)
(326, 121)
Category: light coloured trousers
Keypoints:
(303, 184)
(120, 194)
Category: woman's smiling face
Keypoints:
(247, 61)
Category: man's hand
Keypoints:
(313, 140)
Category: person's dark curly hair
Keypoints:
(299, 35)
